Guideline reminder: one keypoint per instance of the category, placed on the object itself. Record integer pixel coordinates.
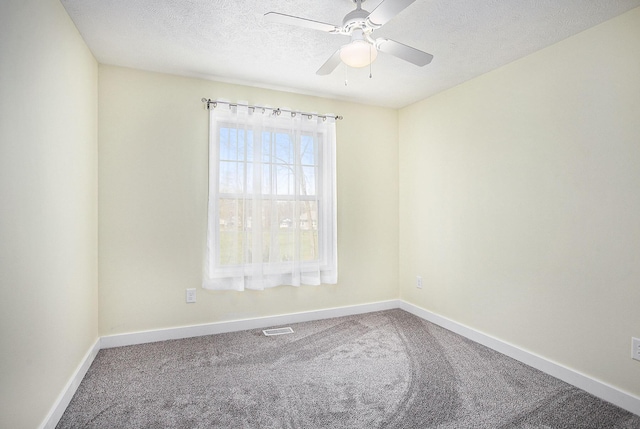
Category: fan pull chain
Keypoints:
(346, 75)
(370, 75)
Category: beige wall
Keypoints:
(153, 203)
(48, 207)
(520, 202)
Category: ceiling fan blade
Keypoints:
(404, 52)
(330, 65)
(300, 22)
(387, 10)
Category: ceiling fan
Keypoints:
(360, 24)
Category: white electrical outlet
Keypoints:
(635, 348)
(191, 295)
(419, 282)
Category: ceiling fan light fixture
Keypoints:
(360, 25)
(358, 53)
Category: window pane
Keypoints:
(308, 230)
(225, 150)
(232, 144)
(297, 221)
(308, 181)
(283, 149)
(232, 177)
(236, 144)
(272, 251)
(249, 146)
(232, 231)
(307, 150)
(285, 179)
(249, 178)
(267, 146)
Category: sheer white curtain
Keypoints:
(272, 199)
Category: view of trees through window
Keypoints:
(268, 189)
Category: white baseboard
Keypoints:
(597, 388)
(119, 340)
(69, 390)
(63, 400)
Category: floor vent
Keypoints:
(277, 331)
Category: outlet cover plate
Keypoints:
(191, 296)
(635, 348)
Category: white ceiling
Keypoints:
(230, 41)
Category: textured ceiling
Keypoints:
(231, 41)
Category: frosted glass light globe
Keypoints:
(358, 53)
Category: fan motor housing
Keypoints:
(355, 19)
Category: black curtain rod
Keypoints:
(276, 110)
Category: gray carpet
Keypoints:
(387, 369)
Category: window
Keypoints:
(272, 213)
